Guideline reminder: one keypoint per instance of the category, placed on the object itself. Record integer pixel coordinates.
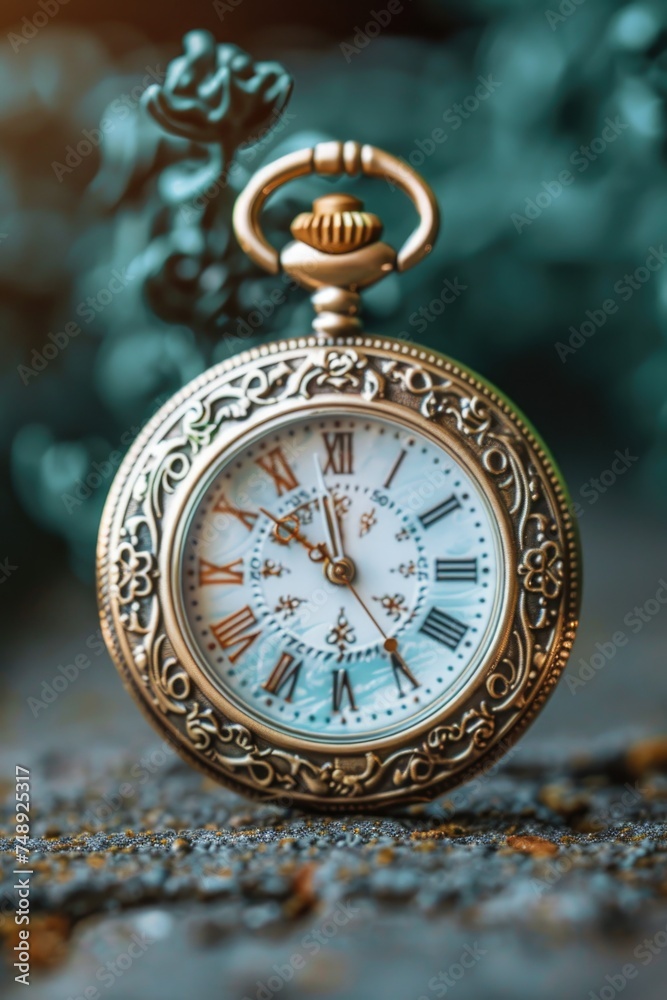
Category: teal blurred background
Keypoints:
(541, 129)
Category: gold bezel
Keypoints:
(148, 506)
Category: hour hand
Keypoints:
(288, 529)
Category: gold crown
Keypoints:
(337, 224)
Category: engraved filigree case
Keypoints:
(339, 570)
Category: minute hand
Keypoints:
(329, 516)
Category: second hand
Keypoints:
(390, 643)
(393, 643)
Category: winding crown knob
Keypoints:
(337, 224)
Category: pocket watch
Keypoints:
(339, 569)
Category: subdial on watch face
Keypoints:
(340, 577)
(326, 621)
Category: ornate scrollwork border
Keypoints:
(516, 469)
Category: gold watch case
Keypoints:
(173, 457)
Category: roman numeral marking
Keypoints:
(246, 517)
(234, 630)
(443, 628)
(276, 465)
(397, 464)
(286, 672)
(456, 570)
(441, 510)
(400, 667)
(211, 573)
(339, 446)
(341, 687)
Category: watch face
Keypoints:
(340, 577)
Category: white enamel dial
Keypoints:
(340, 577)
